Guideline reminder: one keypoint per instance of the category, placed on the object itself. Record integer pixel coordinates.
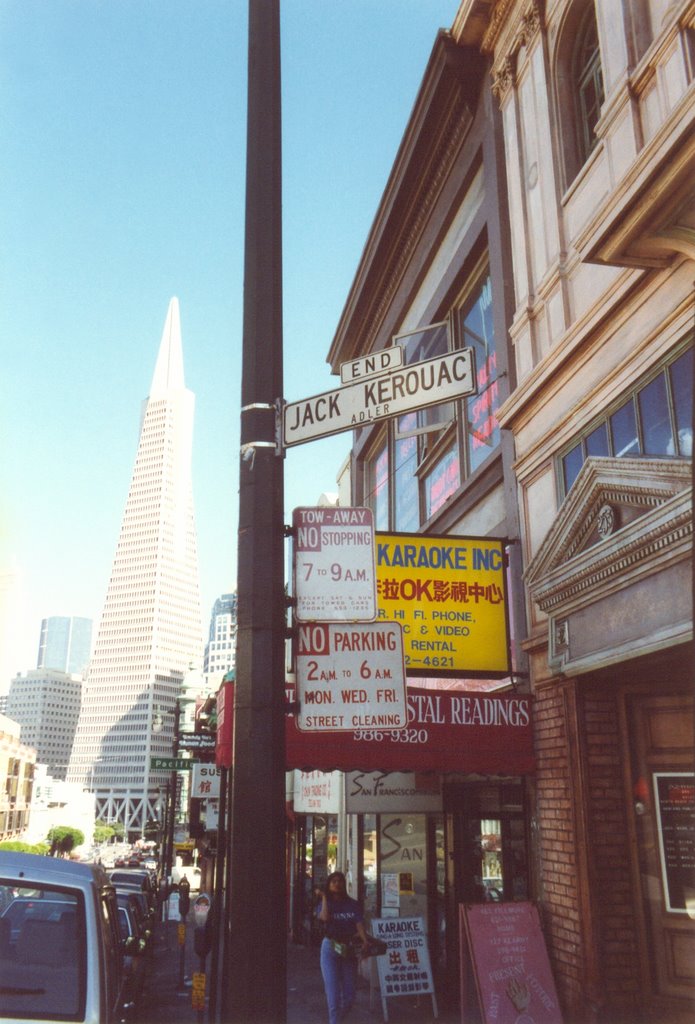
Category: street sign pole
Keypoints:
(173, 790)
(254, 990)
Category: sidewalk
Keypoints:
(165, 1002)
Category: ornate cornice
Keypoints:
(503, 76)
(498, 18)
(509, 31)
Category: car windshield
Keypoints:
(42, 962)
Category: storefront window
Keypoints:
(482, 428)
(442, 482)
(407, 513)
(369, 866)
(491, 842)
(377, 486)
(403, 865)
(425, 455)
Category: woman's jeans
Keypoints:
(339, 974)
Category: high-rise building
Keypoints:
(65, 644)
(46, 703)
(17, 761)
(220, 650)
(150, 629)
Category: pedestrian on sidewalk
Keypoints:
(344, 921)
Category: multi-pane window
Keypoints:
(417, 434)
(587, 79)
(654, 420)
(422, 457)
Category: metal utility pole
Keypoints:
(173, 793)
(256, 948)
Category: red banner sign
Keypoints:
(224, 752)
(447, 731)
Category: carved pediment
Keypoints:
(620, 517)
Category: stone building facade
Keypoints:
(598, 105)
(542, 206)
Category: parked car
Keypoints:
(141, 875)
(60, 949)
(141, 879)
(138, 911)
(149, 914)
(135, 964)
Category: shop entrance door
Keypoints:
(664, 803)
(486, 856)
(487, 842)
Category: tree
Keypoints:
(16, 846)
(102, 833)
(104, 830)
(64, 838)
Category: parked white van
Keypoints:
(60, 952)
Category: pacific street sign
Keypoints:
(170, 764)
(428, 382)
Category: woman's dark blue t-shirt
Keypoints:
(344, 915)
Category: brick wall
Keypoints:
(558, 895)
(612, 995)
(612, 895)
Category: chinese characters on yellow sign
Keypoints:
(449, 595)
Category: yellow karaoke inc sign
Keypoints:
(449, 595)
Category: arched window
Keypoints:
(588, 81)
(578, 79)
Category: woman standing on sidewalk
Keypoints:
(343, 919)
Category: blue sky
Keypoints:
(122, 180)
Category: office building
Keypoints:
(65, 644)
(220, 650)
(150, 629)
(46, 703)
(17, 763)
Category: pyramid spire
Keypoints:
(150, 629)
(168, 371)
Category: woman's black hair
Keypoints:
(335, 874)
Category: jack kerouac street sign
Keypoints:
(393, 393)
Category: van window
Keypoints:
(42, 953)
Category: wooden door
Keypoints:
(664, 802)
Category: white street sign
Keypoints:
(205, 781)
(367, 366)
(351, 677)
(390, 394)
(334, 566)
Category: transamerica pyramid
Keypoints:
(151, 627)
